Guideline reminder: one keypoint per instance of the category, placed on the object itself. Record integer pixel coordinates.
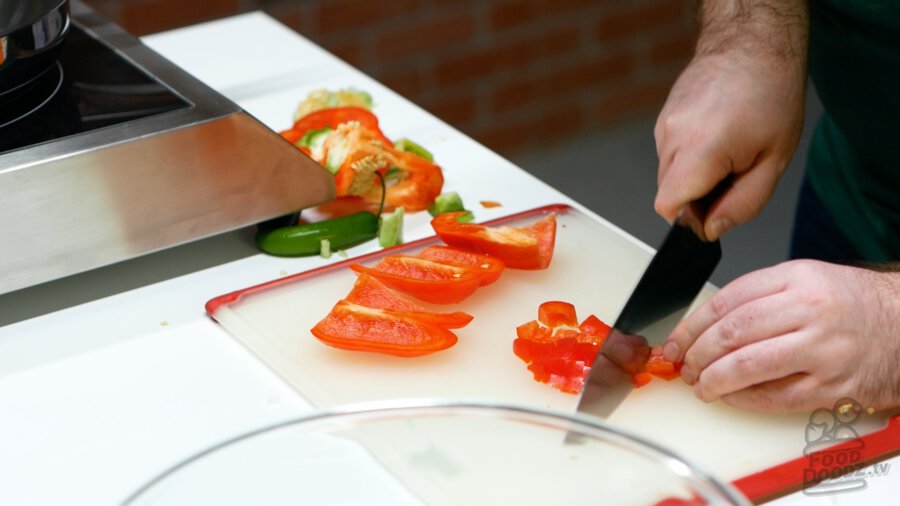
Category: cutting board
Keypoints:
(595, 267)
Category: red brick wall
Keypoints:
(510, 73)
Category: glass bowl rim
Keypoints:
(396, 407)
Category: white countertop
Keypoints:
(97, 399)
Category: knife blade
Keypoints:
(677, 272)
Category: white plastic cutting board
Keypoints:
(594, 267)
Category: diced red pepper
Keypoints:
(556, 348)
(658, 366)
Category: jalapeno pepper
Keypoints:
(306, 239)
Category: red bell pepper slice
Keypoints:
(489, 267)
(369, 292)
(420, 184)
(334, 116)
(354, 327)
(291, 136)
(364, 149)
(425, 280)
(529, 247)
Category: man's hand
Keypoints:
(737, 108)
(795, 337)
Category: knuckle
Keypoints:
(802, 269)
(745, 207)
(745, 363)
(719, 305)
(690, 360)
(760, 398)
(730, 333)
(668, 124)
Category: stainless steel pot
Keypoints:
(31, 35)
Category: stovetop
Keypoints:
(91, 87)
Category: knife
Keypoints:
(676, 274)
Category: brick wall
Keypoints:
(510, 73)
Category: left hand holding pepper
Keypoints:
(795, 337)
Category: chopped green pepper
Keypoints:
(414, 148)
(391, 231)
(450, 202)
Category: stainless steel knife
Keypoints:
(676, 274)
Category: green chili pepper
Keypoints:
(306, 239)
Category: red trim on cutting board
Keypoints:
(213, 305)
(788, 477)
(766, 485)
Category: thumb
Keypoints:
(742, 202)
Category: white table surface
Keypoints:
(97, 399)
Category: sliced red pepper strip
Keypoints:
(291, 136)
(340, 206)
(364, 149)
(360, 153)
(353, 327)
(425, 280)
(529, 247)
(489, 267)
(369, 292)
(420, 184)
(334, 116)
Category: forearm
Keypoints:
(777, 30)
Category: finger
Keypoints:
(762, 318)
(665, 161)
(795, 393)
(744, 200)
(692, 174)
(754, 364)
(744, 289)
(659, 134)
(665, 151)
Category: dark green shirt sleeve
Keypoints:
(854, 159)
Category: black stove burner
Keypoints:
(29, 97)
(91, 87)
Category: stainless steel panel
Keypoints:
(118, 192)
